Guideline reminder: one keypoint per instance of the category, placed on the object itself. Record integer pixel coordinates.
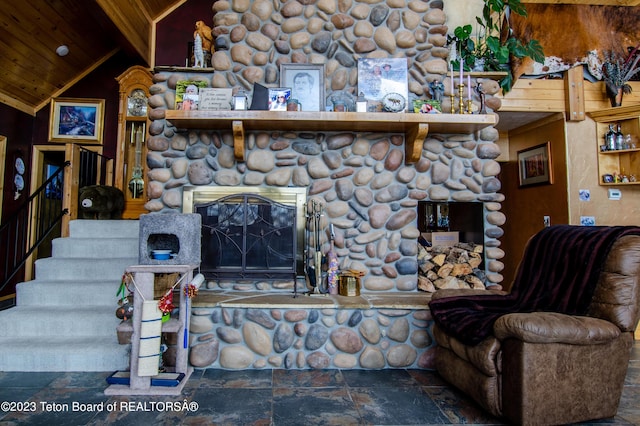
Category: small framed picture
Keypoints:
(76, 120)
(426, 106)
(307, 84)
(278, 98)
(384, 80)
(534, 165)
(187, 94)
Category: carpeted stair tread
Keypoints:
(68, 293)
(62, 353)
(95, 247)
(38, 321)
(82, 269)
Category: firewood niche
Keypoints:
(450, 267)
(415, 127)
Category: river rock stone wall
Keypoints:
(238, 338)
(369, 193)
(254, 37)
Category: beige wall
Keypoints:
(582, 149)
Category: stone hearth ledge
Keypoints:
(259, 300)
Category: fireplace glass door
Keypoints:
(248, 236)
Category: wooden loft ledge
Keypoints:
(415, 127)
(572, 95)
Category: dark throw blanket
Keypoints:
(558, 273)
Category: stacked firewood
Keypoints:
(450, 267)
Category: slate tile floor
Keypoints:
(266, 397)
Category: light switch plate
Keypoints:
(615, 194)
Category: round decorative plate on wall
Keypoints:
(20, 168)
(393, 102)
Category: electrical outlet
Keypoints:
(547, 221)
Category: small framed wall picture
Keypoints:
(307, 84)
(384, 80)
(78, 120)
(187, 94)
(534, 165)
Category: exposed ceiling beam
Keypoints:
(131, 18)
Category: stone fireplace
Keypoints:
(368, 189)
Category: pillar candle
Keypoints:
(451, 70)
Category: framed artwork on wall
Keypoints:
(383, 83)
(76, 120)
(307, 84)
(187, 94)
(534, 165)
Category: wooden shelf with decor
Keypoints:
(415, 127)
(621, 161)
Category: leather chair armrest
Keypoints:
(551, 327)
(455, 292)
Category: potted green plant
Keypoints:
(492, 47)
(616, 73)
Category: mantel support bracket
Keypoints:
(238, 140)
(414, 141)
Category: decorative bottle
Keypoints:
(610, 139)
(619, 138)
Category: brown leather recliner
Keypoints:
(550, 368)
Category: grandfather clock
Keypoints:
(133, 123)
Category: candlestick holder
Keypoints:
(469, 106)
(461, 102)
(453, 98)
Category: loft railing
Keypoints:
(48, 209)
(92, 169)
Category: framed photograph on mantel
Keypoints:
(76, 120)
(534, 165)
(383, 83)
(307, 84)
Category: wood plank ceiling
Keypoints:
(31, 73)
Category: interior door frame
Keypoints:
(37, 179)
(3, 164)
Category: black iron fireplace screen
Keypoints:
(248, 236)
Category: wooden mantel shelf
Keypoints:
(415, 127)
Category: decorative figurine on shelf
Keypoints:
(198, 52)
(202, 45)
(481, 95)
(436, 90)
(206, 35)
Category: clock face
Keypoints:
(19, 182)
(137, 103)
(20, 166)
